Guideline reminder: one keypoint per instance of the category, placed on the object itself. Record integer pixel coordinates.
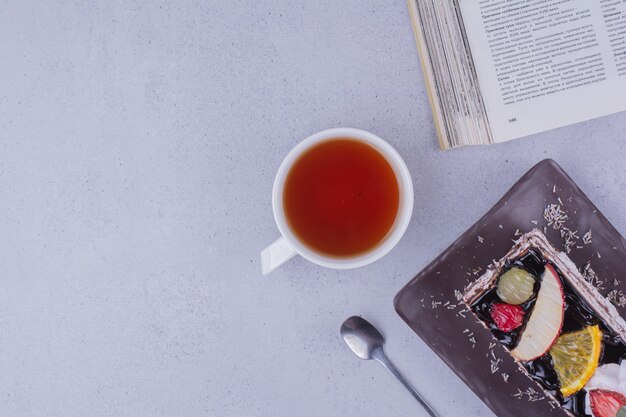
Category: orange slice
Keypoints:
(575, 356)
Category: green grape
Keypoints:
(516, 286)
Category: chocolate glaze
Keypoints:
(577, 316)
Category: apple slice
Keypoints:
(545, 321)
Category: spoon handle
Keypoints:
(380, 356)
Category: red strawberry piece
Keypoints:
(606, 403)
(506, 316)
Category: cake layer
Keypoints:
(535, 239)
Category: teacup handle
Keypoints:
(276, 254)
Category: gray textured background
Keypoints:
(138, 144)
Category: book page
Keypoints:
(543, 64)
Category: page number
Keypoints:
(513, 120)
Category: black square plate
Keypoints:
(430, 303)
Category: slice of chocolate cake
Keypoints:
(557, 326)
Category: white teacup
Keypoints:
(288, 245)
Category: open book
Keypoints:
(502, 69)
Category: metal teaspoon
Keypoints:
(367, 343)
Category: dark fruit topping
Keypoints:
(507, 317)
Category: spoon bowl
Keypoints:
(361, 337)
